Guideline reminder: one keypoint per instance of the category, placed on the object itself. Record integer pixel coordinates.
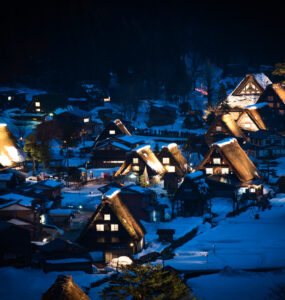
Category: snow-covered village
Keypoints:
(149, 177)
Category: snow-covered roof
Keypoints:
(76, 99)
(52, 183)
(6, 176)
(24, 200)
(61, 211)
(262, 79)
(257, 106)
(67, 260)
(129, 138)
(29, 93)
(194, 175)
(142, 147)
(225, 142)
(112, 192)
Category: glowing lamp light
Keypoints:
(132, 244)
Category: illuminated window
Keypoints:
(136, 168)
(9, 98)
(113, 161)
(218, 128)
(86, 120)
(171, 169)
(38, 109)
(217, 161)
(209, 170)
(37, 104)
(135, 160)
(107, 99)
(252, 190)
(114, 227)
(247, 125)
(225, 170)
(271, 104)
(115, 239)
(107, 217)
(165, 160)
(243, 190)
(112, 131)
(100, 227)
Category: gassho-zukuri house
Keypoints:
(230, 172)
(113, 229)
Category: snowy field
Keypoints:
(30, 284)
(241, 242)
(236, 285)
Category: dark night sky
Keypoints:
(92, 38)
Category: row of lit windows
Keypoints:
(210, 171)
(101, 227)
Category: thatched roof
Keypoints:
(64, 289)
(279, 89)
(252, 112)
(248, 90)
(128, 221)
(121, 126)
(149, 158)
(228, 123)
(173, 151)
(231, 151)
(10, 153)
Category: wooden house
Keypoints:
(274, 95)
(230, 172)
(139, 160)
(173, 160)
(265, 144)
(113, 129)
(16, 247)
(250, 120)
(113, 229)
(61, 255)
(248, 90)
(12, 98)
(109, 153)
(192, 194)
(160, 115)
(10, 152)
(142, 203)
(64, 288)
(223, 126)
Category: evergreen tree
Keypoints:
(144, 179)
(146, 282)
(43, 155)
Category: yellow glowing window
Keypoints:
(136, 168)
(100, 227)
(38, 109)
(225, 170)
(171, 169)
(107, 217)
(165, 160)
(112, 131)
(218, 128)
(217, 161)
(9, 98)
(209, 171)
(86, 120)
(135, 160)
(114, 227)
(37, 104)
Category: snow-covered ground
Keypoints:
(30, 283)
(236, 285)
(242, 242)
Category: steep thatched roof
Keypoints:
(248, 90)
(228, 123)
(253, 113)
(10, 153)
(146, 154)
(231, 151)
(121, 126)
(173, 151)
(279, 89)
(128, 221)
(64, 289)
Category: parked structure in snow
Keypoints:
(113, 229)
(230, 172)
